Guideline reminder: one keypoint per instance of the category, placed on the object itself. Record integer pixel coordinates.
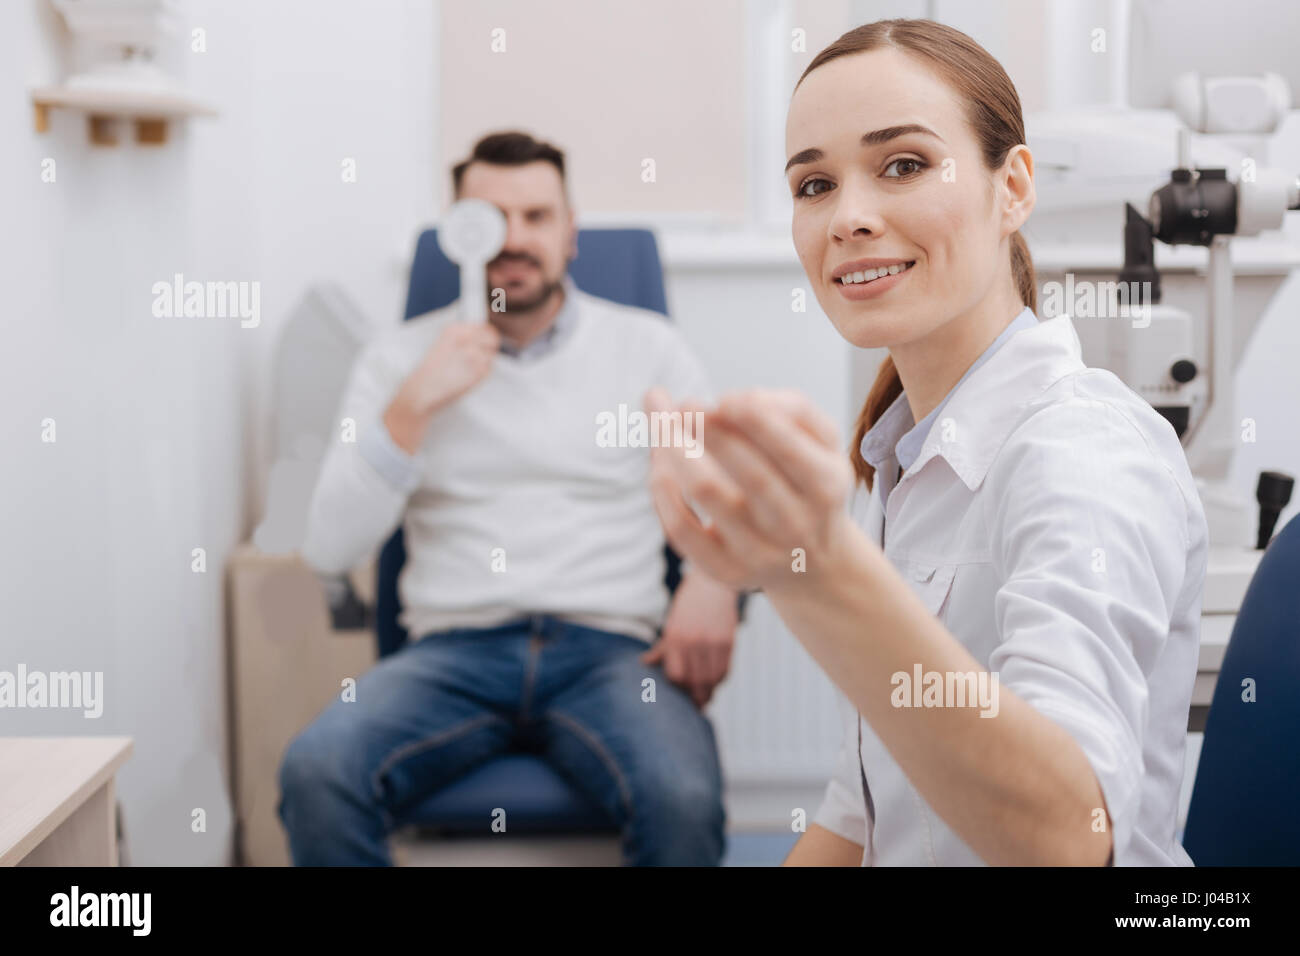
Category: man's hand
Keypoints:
(695, 648)
(459, 359)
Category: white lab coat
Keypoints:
(1051, 522)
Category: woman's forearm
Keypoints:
(820, 847)
(1015, 787)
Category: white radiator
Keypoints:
(777, 716)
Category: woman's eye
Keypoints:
(803, 187)
(916, 163)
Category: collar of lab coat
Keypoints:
(985, 407)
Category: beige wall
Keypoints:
(611, 84)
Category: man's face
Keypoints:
(540, 232)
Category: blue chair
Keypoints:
(1244, 810)
(618, 264)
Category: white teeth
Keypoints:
(870, 274)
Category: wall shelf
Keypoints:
(150, 112)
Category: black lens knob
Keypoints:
(1273, 494)
(1183, 371)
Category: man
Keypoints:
(533, 588)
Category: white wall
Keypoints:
(161, 423)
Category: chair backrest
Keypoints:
(617, 264)
(1243, 810)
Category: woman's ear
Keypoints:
(1018, 188)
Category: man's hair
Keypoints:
(510, 148)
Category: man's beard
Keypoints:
(515, 304)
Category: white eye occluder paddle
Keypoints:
(471, 235)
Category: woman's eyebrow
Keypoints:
(874, 138)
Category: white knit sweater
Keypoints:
(515, 503)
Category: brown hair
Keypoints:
(993, 110)
(510, 148)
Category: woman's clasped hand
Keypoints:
(762, 502)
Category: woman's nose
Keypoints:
(857, 209)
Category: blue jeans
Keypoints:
(454, 699)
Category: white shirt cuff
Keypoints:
(397, 466)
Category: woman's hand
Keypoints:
(771, 478)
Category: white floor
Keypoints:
(751, 844)
(506, 851)
(743, 849)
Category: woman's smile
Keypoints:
(870, 283)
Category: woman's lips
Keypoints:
(857, 291)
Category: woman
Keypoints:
(1012, 601)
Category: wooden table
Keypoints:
(57, 803)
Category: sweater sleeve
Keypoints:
(364, 484)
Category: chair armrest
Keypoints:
(347, 610)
